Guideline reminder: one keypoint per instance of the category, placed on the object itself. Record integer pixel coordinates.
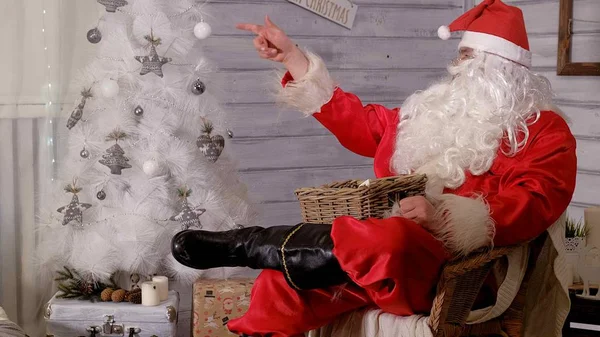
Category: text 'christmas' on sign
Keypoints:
(341, 12)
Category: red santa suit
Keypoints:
(395, 263)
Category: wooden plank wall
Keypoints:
(392, 51)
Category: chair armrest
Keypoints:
(459, 284)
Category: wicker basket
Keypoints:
(325, 203)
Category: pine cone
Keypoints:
(130, 293)
(135, 297)
(106, 294)
(85, 288)
(118, 295)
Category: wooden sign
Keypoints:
(341, 12)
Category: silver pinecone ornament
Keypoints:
(115, 157)
(78, 112)
(73, 212)
(152, 63)
(188, 216)
(210, 146)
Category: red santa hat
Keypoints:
(493, 27)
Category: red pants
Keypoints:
(394, 263)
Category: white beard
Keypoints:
(458, 124)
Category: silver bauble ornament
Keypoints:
(229, 133)
(94, 35)
(84, 153)
(101, 195)
(109, 88)
(151, 168)
(202, 30)
(198, 87)
(138, 111)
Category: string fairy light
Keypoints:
(171, 16)
(159, 222)
(48, 107)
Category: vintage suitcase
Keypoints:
(74, 318)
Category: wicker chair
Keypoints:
(459, 285)
(461, 279)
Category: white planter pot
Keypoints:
(574, 244)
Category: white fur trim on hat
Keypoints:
(310, 92)
(496, 45)
(444, 32)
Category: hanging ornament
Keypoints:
(74, 210)
(211, 147)
(202, 30)
(138, 111)
(198, 87)
(94, 35)
(101, 195)
(188, 216)
(115, 159)
(84, 153)
(152, 168)
(152, 63)
(229, 133)
(109, 87)
(78, 112)
(112, 5)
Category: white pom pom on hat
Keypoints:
(444, 32)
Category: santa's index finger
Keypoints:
(269, 23)
(256, 29)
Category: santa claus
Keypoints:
(499, 157)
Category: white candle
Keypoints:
(592, 219)
(150, 296)
(162, 282)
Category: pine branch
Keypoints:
(73, 188)
(208, 127)
(116, 135)
(65, 274)
(155, 41)
(184, 192)
(87, 93)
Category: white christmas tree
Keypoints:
(146, 157)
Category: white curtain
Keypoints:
(43, 44)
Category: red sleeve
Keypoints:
(358, 128)
(536, 191)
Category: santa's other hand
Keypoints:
(418, 209)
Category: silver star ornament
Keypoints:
(188, 216)
(152, 63)
(73, 211)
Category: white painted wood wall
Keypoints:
(392, 51)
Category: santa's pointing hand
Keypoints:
(273, 44)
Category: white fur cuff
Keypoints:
(309, 93)
(463, 224)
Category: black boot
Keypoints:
(302, 252)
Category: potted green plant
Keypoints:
(575, 234)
